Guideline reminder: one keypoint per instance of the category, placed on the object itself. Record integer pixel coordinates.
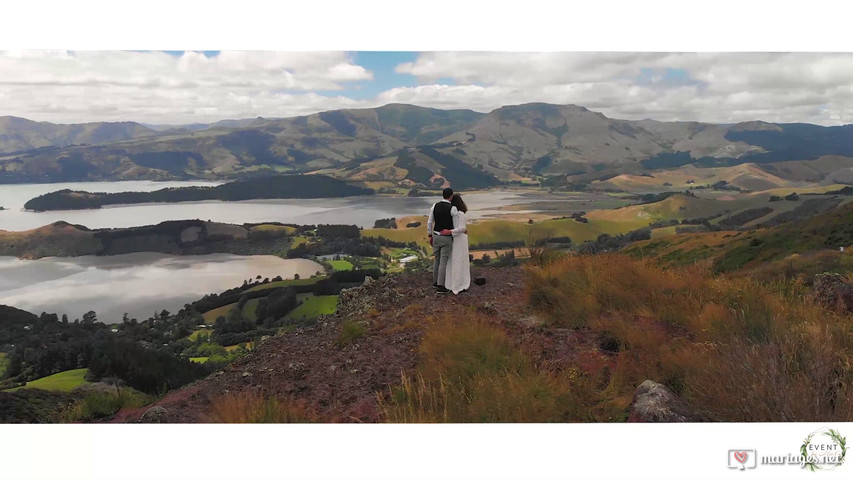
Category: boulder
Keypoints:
(154, 415)
(654, 403)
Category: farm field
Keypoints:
(314, 306)
(62, 381)
(287, 283)
(266, 227)
(341, 265)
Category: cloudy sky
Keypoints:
(181, 87)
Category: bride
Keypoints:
(458, 268)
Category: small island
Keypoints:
(277, 187)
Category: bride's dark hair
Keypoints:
(457, 202)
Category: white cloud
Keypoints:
(712, 87)
(156, 87)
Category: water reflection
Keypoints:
(361, 211)
(138, 283)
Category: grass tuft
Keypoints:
(470, 372)
(350, 332)
(252, 407)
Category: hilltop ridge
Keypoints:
(406, 146)
(340, 380)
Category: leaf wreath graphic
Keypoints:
(840, 441)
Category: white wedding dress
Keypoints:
(459, 269)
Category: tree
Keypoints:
(89, 318)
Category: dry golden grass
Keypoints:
(470, 372)
(252, 407)
(736, 350)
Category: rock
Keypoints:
(833, 291)
(154, 415)
(480, 281)
(655, 403)
(488, 308)
(368, 281)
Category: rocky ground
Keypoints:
(341, 381)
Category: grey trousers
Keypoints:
(442, 246)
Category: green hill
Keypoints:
(462, 147)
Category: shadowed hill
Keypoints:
(19, 134)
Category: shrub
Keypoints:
(385, 223)
(101, 404)
(350, 332)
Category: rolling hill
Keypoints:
(406, 146)
(19, 134)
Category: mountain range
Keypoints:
(405, 146)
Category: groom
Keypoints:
(441, 220)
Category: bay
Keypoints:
(361, 211)
(139, 284)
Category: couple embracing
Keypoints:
(448, 235)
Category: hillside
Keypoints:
(183, 237)
(810, 244)
(404, 146)
(19, 134)
(338, 375)
(519, 349)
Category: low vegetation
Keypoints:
(351, 331)
(257, 408)
(101, 404)
(734, 349)
(471, 372)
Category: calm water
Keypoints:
(143, 283)
(138, 283)
(361, 211)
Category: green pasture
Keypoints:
(62, 381)
(313, 307)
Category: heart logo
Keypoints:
(740, 457)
